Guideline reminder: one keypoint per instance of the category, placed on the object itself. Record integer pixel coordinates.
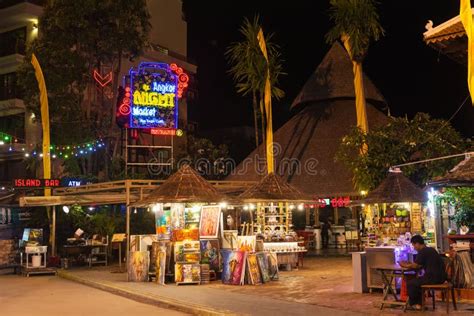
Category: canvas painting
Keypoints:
(229, 239)
(187, 273)
(163, 224)
(272, 265)
(177, 216)
(192, 217)
(263, 265)
(187, 251)
(186, 234)
(161, 265)
(210, 254)
(138, 266)
(210, 221)
(233, 267)
(253, 270)
(246, 243)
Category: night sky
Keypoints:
(412, 76)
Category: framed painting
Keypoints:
(246, 243)
(263, 265)
(272, 265)
(229, 239)
(210, 221)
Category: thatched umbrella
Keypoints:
(184, 186)
(395, 188)
(461, 175)
(272, 188)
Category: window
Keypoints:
(8, 86)
(13, 42)
(13, 125)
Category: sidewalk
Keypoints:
(197, 300)
(323, 286)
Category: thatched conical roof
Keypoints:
(184, 186)
(461, 175)
(395, 188)
(272, 188)
(306, 145)
(334, 79)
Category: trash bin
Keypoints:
(35, 261)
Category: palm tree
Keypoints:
(356, 24)
(248, 68)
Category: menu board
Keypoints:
(416, 218)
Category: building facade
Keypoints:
(19, 129)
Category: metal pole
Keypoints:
(432, 159)
(127, 252)
(53, 242)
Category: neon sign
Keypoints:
(151, 95)
(102, 80)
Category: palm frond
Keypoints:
(357, 19)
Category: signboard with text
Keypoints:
(153, 90)
(36, 183)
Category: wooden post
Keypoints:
(316, 216)
(53, 242)
(336, 216)
(307, 210)
(127, 252)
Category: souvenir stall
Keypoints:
(188, 222)
(270, 204)
(394, 211)
(456, 240)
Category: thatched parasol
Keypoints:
(272, 188)
(461, 175)
(395, 188)
(184, 186)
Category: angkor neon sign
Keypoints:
(155, 89)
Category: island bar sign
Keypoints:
(36, 183)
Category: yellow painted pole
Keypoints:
(466, 19)
(268, 106)
(44, 121)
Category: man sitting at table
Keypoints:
(430, 261)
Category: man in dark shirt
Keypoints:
(430, 261)
(325, 227)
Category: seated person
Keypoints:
(431, 262)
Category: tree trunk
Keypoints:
(255, 117)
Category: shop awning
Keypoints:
(448, 38)
(461, 175)
(82, 199)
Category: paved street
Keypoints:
(50, 296)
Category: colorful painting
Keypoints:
(210, 254)
(161, 265)
(177, 216)
(187, 273)
(186, 234)
(229, 239)
(163, 224)
(138, 266)
(192, 217)
(246, 243)
(142, 242)
(254, 276)
(272, 265)
(210, 221)
(263, 265)
(187, 251)
(233, 267)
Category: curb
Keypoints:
(181, 306)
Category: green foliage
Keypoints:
(357, 19)
(463, 201)
(401, 141)
(207, 158)
(248, 65)
(76, 37)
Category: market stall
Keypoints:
(270, 204)
(393, 212)
(188, 223)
